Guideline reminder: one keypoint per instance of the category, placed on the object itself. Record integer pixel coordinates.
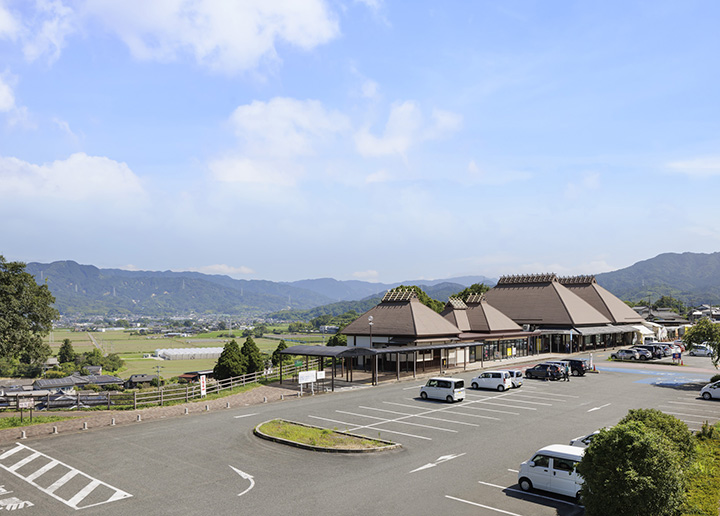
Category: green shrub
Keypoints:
(715, 378)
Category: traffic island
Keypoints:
(316, 438)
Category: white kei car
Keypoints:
(711, 391)
(497, 380)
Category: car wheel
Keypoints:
(643, 357)
(578, 498)
(525, 484)
(501, 388)
(474, 386)
(423, 395)
(707, 396)
(449, 399)
(575, 372)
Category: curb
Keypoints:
(390, 445)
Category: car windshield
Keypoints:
(459, 384)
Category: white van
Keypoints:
(553, 469)
(450, 389)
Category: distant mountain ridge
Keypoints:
(86, 289)
(693, 278)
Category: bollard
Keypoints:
(23, 436)
(186, 411)
(139, 418)
(282, 397)
(55, 430)
(298, 395)
(84, 425)
(264, 399)
(227, 404)
(112, 422)
(207, 408)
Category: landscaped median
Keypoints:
(319, 439)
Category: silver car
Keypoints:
(625, 354)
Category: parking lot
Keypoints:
(459, 458)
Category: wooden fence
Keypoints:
(137, 399)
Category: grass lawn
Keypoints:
(168, 368)
(313, 436)
(12, 421)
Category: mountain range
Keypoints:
(694, 278)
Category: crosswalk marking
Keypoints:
(75, 501)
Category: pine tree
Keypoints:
(276, 356)
(253, 358)
(66, 352)
(230, 363)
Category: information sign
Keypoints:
(320, 375)
(23, 404)
(203, 385)
(306, 376)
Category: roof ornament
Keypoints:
(578, 280)
(527, 279)
(394, 296)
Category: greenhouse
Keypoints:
(188, 353)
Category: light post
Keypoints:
(374, 364)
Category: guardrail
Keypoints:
(136, 399)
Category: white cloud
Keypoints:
(224, 269)
(51, 24)
(477, 175)
(369, 275)
(699, 167)
(381, 176)
(285, 126)
(243, 170)
(405, 127)
(7, 98)
(370, 89)
(224, 36)
(80, 177)
(589, 182)
(9, 26)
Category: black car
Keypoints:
(546, 371)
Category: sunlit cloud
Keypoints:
(699, 167)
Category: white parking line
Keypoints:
(532, 397)
(354, 428)
(526, 493)
(78, 497)
(385, 420)
(503, 405)
(698, 403)
(421, 416)
(481, 505)
(689, 415)
(468, 406)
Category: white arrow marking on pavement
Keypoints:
(439, 460)
(598, 408)
(246, 476)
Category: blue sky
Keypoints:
(372, 140)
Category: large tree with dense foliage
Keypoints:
(632, 470)
(230, 363)
(254, 361)
(276, 356)
(26, 314)
(475, 288)
(704, 331)
(67, 352)
(671, 427)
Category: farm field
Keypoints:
(131, 348)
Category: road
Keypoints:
(456, 459)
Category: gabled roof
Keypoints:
(455, 311)
(541, 300)
(601, 299)
(485, 318)
(406, 317)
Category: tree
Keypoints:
(66, 352)
(92, 358)
(704, 331)
(632, 470)
(254, 361)
(475, 288)
(337, 340)
(423, 297)
(276, 356)
(230, 363)
(671, 427)
(675, 305)
(26, 314)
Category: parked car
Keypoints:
(449, 389)
(679, 343)
(652, 348)
(552, 468)
(643, 353)
(545, 371)
(701, 350)
(584, 440)
(710, 391)
(667, 350)
(578, 366)
(516, 377)
(625, 354)
(497, 380)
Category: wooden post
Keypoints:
(134, 400)
(161, 397)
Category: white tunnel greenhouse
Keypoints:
(188, 353)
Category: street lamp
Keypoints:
(374, 364)
(370, 323)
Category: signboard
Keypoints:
(320, 375)
(306, 376)
(23, 404)
(203, 385)
(298, 363)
